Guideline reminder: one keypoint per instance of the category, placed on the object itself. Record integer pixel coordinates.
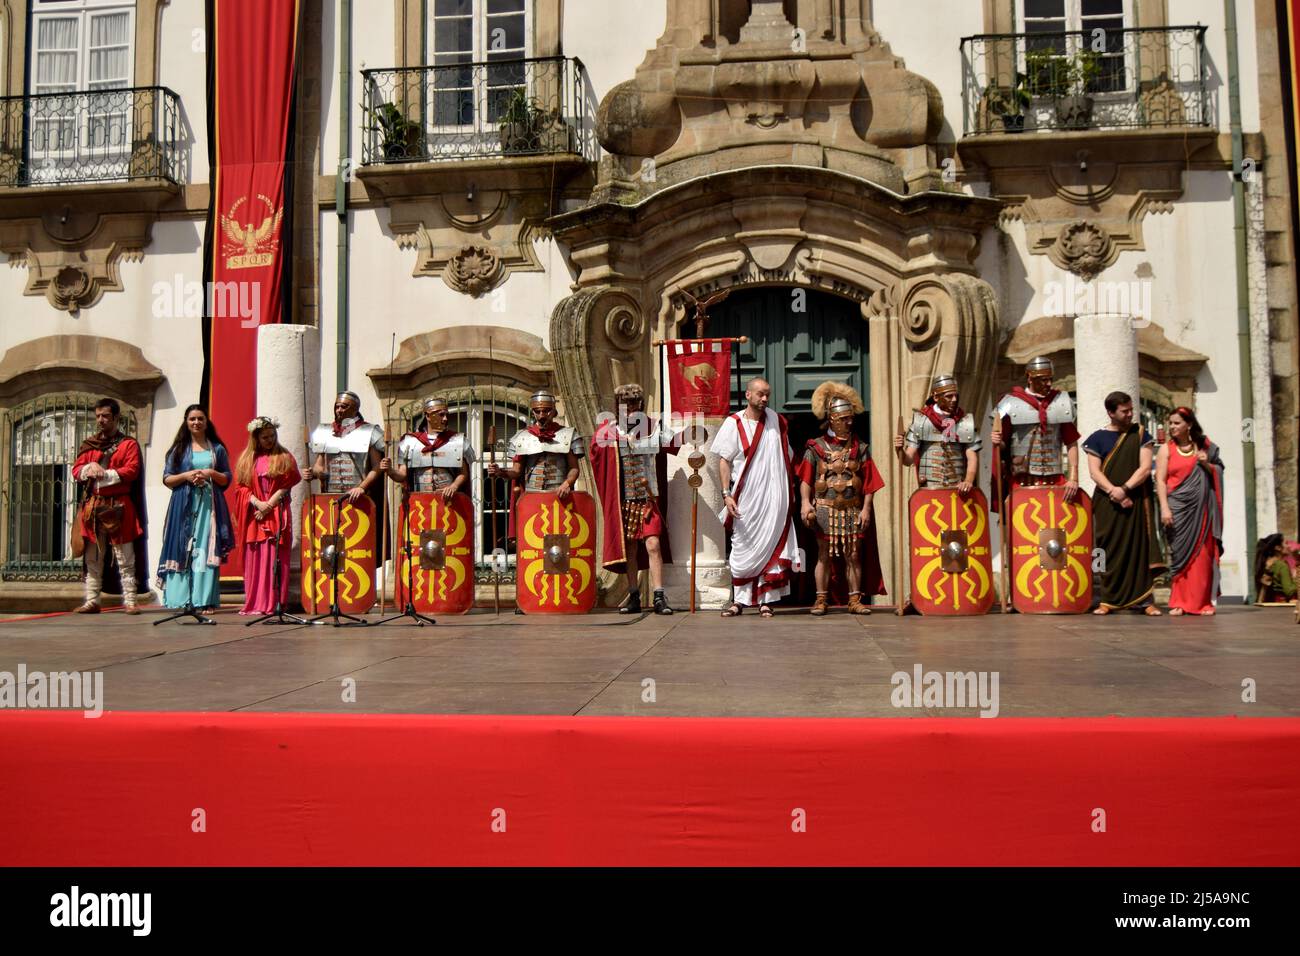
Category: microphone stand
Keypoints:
(410, 611)
(335, 614)
(279, 615)
(188, 610)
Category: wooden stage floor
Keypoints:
(792, 666)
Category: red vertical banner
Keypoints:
(252, 54)
(699, 376)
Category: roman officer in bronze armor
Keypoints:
(837, 469)
(942, 440)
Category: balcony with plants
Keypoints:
(1131, 79)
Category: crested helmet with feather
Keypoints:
(830, 394)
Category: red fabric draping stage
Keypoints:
(303, 789)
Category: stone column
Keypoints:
(1105, 361)
(282, 353)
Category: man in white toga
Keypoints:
(757, 472)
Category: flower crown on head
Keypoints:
(260, 422)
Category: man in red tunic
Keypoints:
(624, 462)
(110, 514)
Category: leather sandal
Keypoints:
(821, 605)
(1152, 611)
(857, 605)
(765, 611)
(734, 610)
(90, 607)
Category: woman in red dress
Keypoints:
(1189, 482)
(265, 473)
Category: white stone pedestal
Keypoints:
(283, 351)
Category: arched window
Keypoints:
(40, 442)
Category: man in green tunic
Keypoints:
(1119, 460)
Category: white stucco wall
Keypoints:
(910, 29)
(182, 66)
(611, 38)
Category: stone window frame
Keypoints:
(14, 23)
(545, 16)
(76, 364)
(1000, 16)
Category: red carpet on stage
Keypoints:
(301, 789)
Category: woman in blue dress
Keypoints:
(197, 470)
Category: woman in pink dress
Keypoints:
(1189, 482)
(265, 473)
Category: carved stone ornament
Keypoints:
(474, 270)
(72, 258)
(732, 83)
(472, 244)
(1084, 248)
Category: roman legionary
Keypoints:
(942, 440)
(436, 459)
(1119, 460)
(348, 452)
(756, 471)
(837, 469)
(543, 457)
(1036, 421)
(109, 530)
(625, 463)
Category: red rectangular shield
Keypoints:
(951, 559)
(441, 535)
(555, 569)
(353, 538)
(1051, 551)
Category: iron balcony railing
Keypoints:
(1099, 79)
(527, 107)
(90, 136)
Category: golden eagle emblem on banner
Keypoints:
(251, 246)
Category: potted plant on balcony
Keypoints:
(519, 122)
(1066, 79)
(1074, 109)
(1010, 103)
(401, 139)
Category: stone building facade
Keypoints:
(888, 189)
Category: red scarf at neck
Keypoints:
(546, 434)
(1034, 401)
(338, 427)
(440, 439)
(945, 423)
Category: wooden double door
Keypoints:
(798, 338)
